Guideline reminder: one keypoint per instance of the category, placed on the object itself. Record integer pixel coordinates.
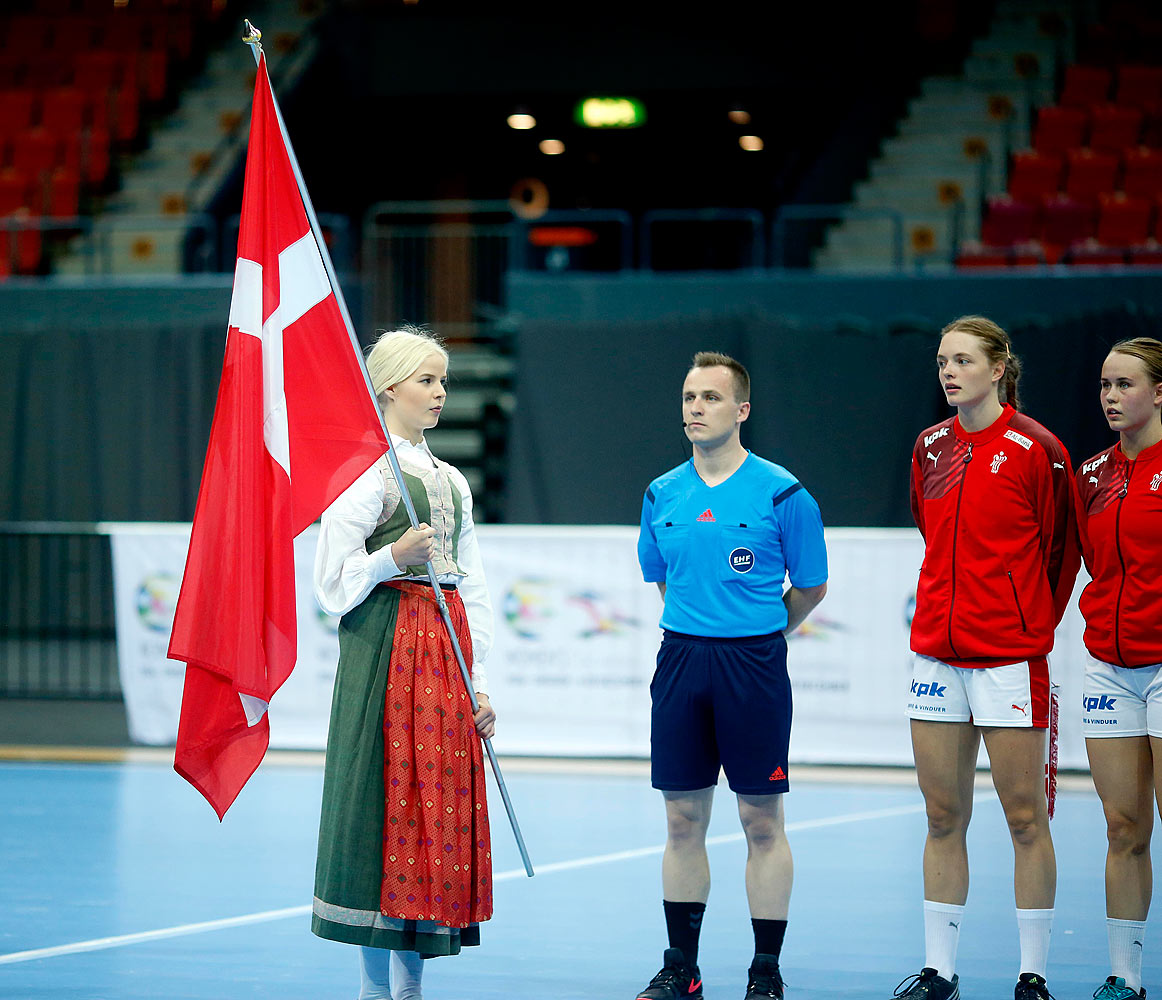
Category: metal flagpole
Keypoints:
(253, 38)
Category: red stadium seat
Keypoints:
(100, 71)
(980, 255)
(28, 33)
(36, 151)
(125, 113)
(1142, 175)
(1090, 173)
(1066, 220)
(1092, 254)
(1112, 128)
(20, 245)
(1152, 124)
(1149, 254)
(64, 109)
(16, 110)
(73, 34)
(151, 73)
(124, 31)
(42, 69)
(1059, 129)
(62, 197)
(1122, 220)
(1033, 253)
(1008, 221)
(13, 191)
(1085, 85)
(95, 158)
(1034, 175)
(1139, 85)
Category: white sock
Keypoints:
(1033, 928)
(407, 971)
(1126, 942)
(941, 936)
(374, 974)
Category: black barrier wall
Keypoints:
(599, 412)
(107, 394)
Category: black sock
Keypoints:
(683, 925)
(768, 936)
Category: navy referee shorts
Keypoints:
(720, 703)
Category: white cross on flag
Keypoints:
(293, 427)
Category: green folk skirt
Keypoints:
(349, 873)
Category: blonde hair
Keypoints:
(997, 348)
(1145, 349)
(739, 377)
(398, 354)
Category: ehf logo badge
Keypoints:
(998, 460)
(1156, 482)
(742, 560)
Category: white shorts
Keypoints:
(1015, 695)
(1121, 701)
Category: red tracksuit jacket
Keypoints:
(1120, 517)
(996, 510)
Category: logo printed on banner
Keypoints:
(157, 597)
(741, 560)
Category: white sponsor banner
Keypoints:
(576, 638)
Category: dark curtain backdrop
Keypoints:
(598, 412)
(112, 425)
(106, 425)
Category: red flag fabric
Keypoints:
(293, 427)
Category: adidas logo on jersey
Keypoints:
(777, 775)
(706, 515)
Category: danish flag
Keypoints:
(706, 515)
(293, 427)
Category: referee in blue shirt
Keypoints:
(719, 535)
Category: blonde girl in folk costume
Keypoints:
(404, 863)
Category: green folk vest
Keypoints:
(438, 502)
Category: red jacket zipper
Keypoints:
(955, 539)
(1122, 559)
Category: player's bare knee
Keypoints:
(1127, 834)
(945, 821)
(1027, 824)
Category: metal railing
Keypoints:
(57, 636)
(818, 214)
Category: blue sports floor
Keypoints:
(118, 882)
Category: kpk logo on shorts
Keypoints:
(741, 560)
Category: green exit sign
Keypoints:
(610, 112)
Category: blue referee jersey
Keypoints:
(724, 551)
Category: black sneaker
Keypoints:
(927, 985)
(677, 979)
(1031, 986)
(764, 979)
(1115, 988)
